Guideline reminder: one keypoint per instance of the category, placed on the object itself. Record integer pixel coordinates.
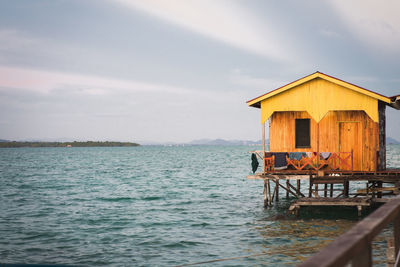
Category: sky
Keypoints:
(180, 70)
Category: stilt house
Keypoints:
(323, 123)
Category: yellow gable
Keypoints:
(318, 96)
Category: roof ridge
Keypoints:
(320, 75)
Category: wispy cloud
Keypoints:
(238, 77)
(222, 20)
(47, 81)
(330, 34)
(376, 23)
(10, 38)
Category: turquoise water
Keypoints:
(151, 206)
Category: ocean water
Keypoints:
(154, 206)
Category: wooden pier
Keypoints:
(360, 203)
(331, 188)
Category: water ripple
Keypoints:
(151, 206)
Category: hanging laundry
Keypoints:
(280, 160)
(254, 162)
(325, 155)
(297, 155)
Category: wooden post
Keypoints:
(365, 257)
(263, 145)
(326, 190)
(310, 186)
(265, 194)
(379, 194)
(269, 193)
(296, 210)
(346, 188)
(382, 136)
(277, 190)
(359, 210)
(331, 193)
(298, 187)
(396, 233)
(287, 191)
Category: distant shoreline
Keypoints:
(16, 144)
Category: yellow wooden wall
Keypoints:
(317, 97)
(282, 134)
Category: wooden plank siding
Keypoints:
(282, 135)
(317, 97)
(382, 136)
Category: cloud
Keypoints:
(377, 23)
(330, 34)
(225, 21)
(10, 38)
(238, 77)
(47, 81)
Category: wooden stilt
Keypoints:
(359, 210)
(346, 188)
(265, 194)
(298, 187)
(269, 193)
(297, 210)
(373, 189)
(287, 191)
(316, 190)
(277, 190)
(326, 190)
(273, 195)
(331, 193)
(310, 186)
(379, 194)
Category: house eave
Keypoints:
(395, 102)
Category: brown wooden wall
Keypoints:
(333, 125)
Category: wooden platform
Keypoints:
(328, 177)
(327, 201)
(330, 188)
(283, 176)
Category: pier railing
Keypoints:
(306, 161)
(355, 246)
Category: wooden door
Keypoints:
(350, 140)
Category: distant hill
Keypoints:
(390, 140)
(15, 144)
(3, 141)
(223, 142)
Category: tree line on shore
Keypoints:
(11, 144)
